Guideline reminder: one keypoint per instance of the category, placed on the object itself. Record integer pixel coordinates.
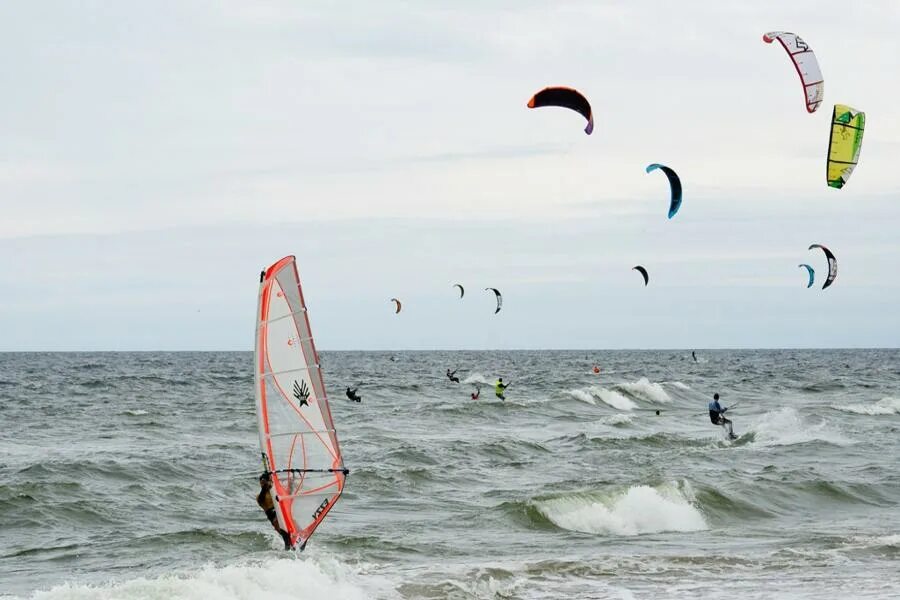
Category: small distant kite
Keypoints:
(812, 274)
(567, 98)
(832, 264)
(399, 306)
(462, 291)
(674, 183)
(847, 127)
(806, 64)
(643, 272)
(499, 298)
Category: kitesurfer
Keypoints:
(452, 375)
(499, 388)
(265, 501)
(694, 354)
(717, 415)
(352, 394)
(477, 392)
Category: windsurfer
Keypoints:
(265, 501)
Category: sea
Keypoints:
(133, 476)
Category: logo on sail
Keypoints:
(301, 392)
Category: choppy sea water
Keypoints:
(132, 475)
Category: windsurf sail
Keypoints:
(296, 433)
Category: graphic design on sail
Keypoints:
(296, 432)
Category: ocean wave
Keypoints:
(885, 406)
(644, 389)
(137, 412)
(612, 398)
(640, 509)
(582, 395)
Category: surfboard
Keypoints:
(297, 437)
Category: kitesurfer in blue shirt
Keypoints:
(717, 415)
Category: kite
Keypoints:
(806, 64)
(566, 98)
(832, 264)
(847, 126)
(674, 183)
(643, 272)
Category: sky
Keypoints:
(154, 157)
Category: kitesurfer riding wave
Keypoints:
(717, 416)
(499, 388)
(452, 375)
(352, 394)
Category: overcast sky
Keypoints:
(154, 156)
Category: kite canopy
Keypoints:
(399, 306)
(847, 127)
(566, 98)
(806, 64)
(643, 272)
(812, 274)
(832, 264)
(499, 298)
(462, 291)
(674, 183)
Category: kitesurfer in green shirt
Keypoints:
(499, 388)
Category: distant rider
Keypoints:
(717, 415)
(477, 392)
(265, 501)
(352, 394)
(499, 388)
(452, 376)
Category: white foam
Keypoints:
(583, 396)
(785, 427)
(612, 398)
(880, 540)
(477, 378)
(136, 412)
(885, 406)
(680, 386)
(273, 579)
(646, 390)
(617, 419)
(640, 509)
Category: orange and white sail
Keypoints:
(296, 432)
